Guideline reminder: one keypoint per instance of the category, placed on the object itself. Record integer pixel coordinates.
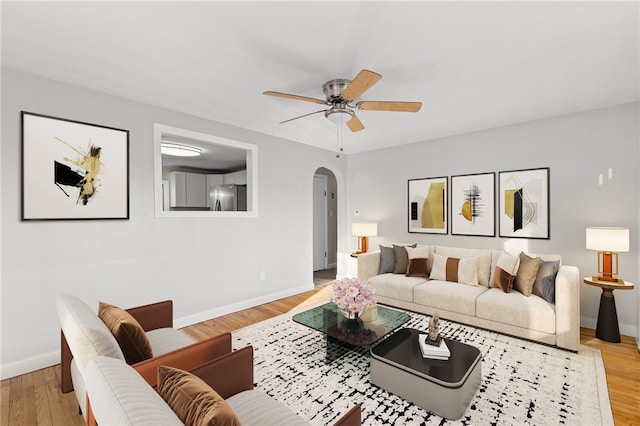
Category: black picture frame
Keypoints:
(473, 204)
(524, 203)
(72, 170)
(431, 194)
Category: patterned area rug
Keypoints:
(522, 382)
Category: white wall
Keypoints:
(208, 266)
(576, 147)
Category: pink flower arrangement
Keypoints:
(352, 296)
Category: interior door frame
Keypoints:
(325, 226)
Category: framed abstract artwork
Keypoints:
(427, 205)
(473, 204)
(524, 203)
(73, 170)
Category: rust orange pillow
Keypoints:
(128, 332)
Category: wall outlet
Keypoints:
(263, 275)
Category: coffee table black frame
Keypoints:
(364, 332)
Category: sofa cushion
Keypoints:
(527, 272)
(516, 309)
(453, 297)
(401, 259)
(128, 332)
(483, 255)
(120, 396)
(460, 270)
(253, 408)
(195, 402)
(545, 283)
(396, 286)
(86, 334)
(165, 340)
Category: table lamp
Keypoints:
(608, 242)
(364, 230)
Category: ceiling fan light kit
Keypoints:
(339, 92)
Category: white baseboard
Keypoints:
(28, 365)
(38, 362)
(625, 329)
(235, 307)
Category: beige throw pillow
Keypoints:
(193, 401)
(417, 251)
(527, 272)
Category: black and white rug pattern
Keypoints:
(523, 383)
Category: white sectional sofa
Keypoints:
(554, 322)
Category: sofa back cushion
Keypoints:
(86, 334)
(120, 396)
(483, 255)
(128, 333)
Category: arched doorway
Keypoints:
(325, 226)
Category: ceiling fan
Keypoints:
(340, 92)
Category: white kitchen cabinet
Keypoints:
(236, 178)
(188, 189)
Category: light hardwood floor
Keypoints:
(35, 398)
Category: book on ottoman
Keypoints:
(430, 351)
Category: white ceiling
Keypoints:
(473, 65)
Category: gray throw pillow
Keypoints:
(545, 283)
(386, 259)
(401, 259)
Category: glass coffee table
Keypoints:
(374, 324)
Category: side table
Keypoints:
(607, 328)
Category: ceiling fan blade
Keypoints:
(297, 97)
(363, 81)
(295, 118)
(355, 125)
(390, 106)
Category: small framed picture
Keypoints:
(524, 203)
(73, 170)
(473, 204)
(427, 205)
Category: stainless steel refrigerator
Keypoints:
(228, 198)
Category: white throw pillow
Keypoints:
(418, 252)
(461, 270)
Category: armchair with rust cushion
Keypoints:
(84, 336)
(117, 395)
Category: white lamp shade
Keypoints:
(364, 229)
(608, 239)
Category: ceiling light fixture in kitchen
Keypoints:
(178, 150)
